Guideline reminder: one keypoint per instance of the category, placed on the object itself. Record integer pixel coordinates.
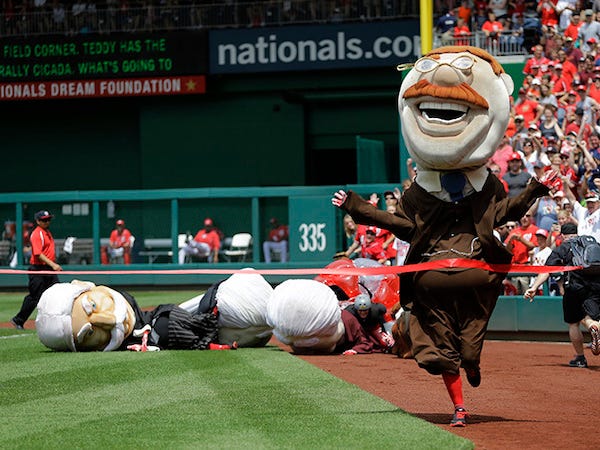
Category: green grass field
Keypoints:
(250, 398)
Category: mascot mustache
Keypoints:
(462, 92)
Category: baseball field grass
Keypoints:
(262, 398)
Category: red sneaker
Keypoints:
(460, 418)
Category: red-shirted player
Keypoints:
(120, 242)
(206, 244)
(277, 241)
(43, 258)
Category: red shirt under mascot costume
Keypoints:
(454, 106)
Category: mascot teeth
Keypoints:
(445, 113)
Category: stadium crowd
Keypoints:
(25, 17)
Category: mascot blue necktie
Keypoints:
(454, 183)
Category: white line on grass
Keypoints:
(10, 336)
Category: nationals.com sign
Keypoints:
(314, 47)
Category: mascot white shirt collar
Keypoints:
(430, 179)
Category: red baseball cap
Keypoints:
(208, 222)
(514, 156)
(120, 222)
(542, 232)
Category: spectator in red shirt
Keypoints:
(569, 70)
(547, 11)
(464, 12)
(577, 127)
(461, 33)
(520, 241)
(595, 87)
(527, 107)
(480, 5)
(572, 29)
(492, 28)
(516, 9)
(537, 59)
(372, 249)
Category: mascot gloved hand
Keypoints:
(454, 107)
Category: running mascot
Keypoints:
(454, 107)
(80, 316)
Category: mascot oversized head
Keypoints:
(80, 316)
(454, 106)
(305, 315)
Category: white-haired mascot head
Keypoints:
(80, 316)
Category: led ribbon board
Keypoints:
(103, 66)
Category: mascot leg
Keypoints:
(453, 384)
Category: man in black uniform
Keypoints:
(581, 300)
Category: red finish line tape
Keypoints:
(455, 263)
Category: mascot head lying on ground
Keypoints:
(80, 316)
(454, 106)
(305, 315)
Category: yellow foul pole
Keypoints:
(426, 13)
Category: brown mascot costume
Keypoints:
(454, 107)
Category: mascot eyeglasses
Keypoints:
(426, 64)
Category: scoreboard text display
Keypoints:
(103, 66)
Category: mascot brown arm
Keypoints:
(365, 213)
(514, 208)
